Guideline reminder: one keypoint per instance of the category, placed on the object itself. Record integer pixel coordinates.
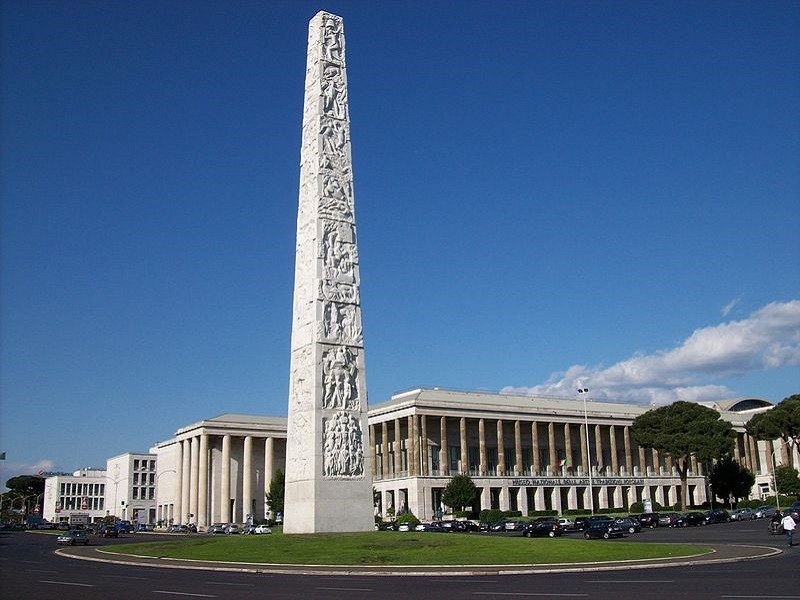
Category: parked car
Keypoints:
(566, 524)
(514, 525)
(794, 511)
(465, 526)
(73, 537)
(629, 525)
(666, 519)
(690, 519)
(743, 514)
(404, 527)
(216, 529)
(262, 529)
(603, 529)
(179, 529)
(434, 526)
(124, 526)
(232, 528)
(648, 520)
(718, 515)
(542, 527)
(765, 512)
(580, 523)
(108, 531)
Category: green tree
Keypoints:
(460, 492)
(787, 480)
(25, 485)
(683, 430)
(729, 479)
(277, 488)
(782, 421)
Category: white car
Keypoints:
(262, 529)
(566, 524)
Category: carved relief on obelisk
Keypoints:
(328, 459)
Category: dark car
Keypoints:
(649, 519)
(466, 526)
(691, 519)
(124, 527)
(666, 519)
(73, 537)
(603, 529)
(216, 528)
(108, 531)
(794, 512)
(580, 523)
(628, 524)
(547, 527)
(718, 515)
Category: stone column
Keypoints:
(424, 453)
(225, 480)
(385, 450)
(247, 478)
(614, 454)
(194, 444)
(374, 437)
(398, 449)
(202, 498)
(269, 469)
(626, 431)
(567, 445)
(656, 462)
(444, 451)
(501, 449)
(482, 447)
(553, 459)
(598, 448)
(518, 449)
(642, 461)
(736, 453)
(411, 445)
(179, 477)
(462, 432)
(328, 451)
(584, 449)
(187, 477)
(536, 464)
(753, 453)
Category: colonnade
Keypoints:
(424, 444)
(219, 478)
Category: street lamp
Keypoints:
(584, 393)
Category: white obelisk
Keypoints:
(328, 452)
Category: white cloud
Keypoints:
(767, 339)
(726, 310)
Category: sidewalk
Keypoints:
(720, 554)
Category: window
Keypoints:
(135, 493)
(135, 479)
(434, 458)
(455, 456)
(136, 465)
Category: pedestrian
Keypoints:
(788, 525)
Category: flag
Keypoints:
(564, 462)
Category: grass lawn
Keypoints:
(400, 548)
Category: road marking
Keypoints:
(760, 596)
(549, 595)
(123, 577)
(66, 583)
(226, 583)
(184, 594)
(645, 581)
(338, 589)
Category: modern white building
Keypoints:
(219, 470)
(523, 453)
(131, 487)
(78, 499)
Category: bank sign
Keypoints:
(554, 481)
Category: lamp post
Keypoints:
(584, 393)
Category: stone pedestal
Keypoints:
(328, 452)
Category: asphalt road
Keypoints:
(29, 570)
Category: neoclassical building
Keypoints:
(523, 453)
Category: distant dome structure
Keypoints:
(740, 404)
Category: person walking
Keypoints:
(788, 525)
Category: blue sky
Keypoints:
(547, 194)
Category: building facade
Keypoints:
(523, 453)
(219, 470)
(78, 499)
(131, 487)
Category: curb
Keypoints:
(735, 553)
